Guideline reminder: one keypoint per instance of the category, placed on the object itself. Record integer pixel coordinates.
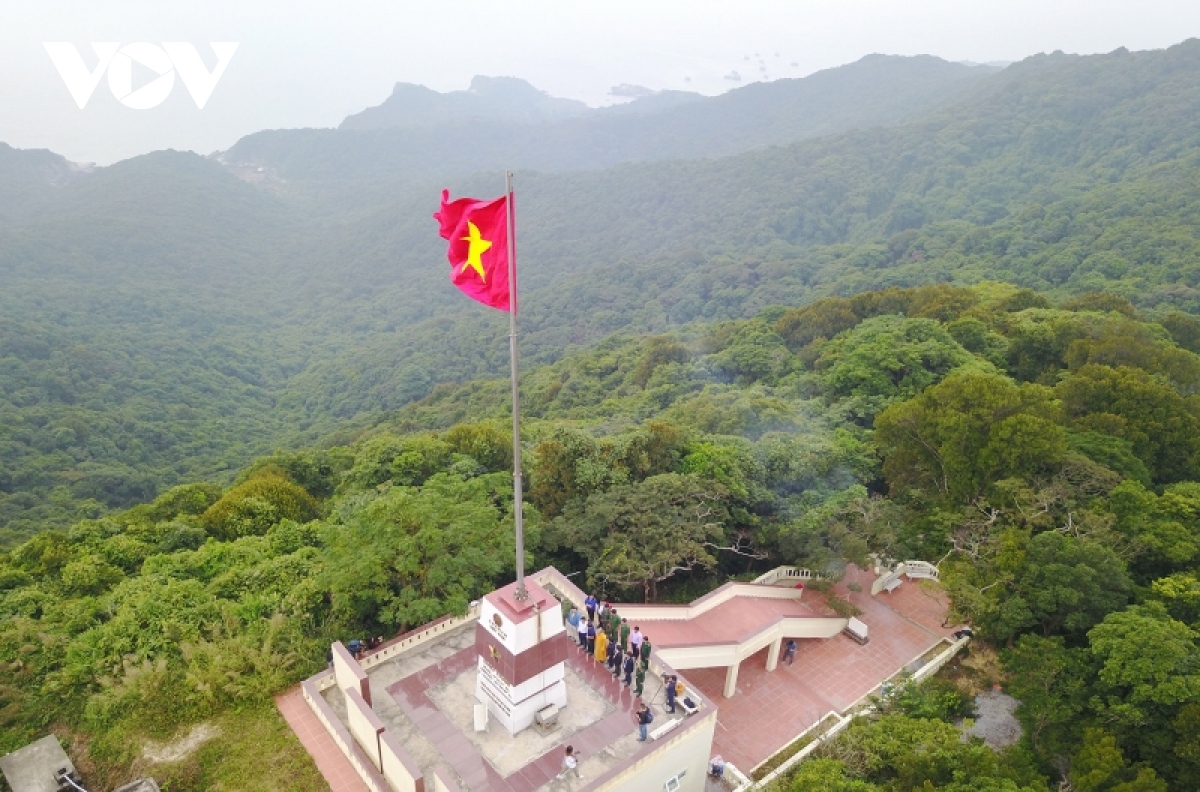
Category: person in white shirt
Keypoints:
(571, 763)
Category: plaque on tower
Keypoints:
(522, 646)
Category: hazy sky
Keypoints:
(306, 63)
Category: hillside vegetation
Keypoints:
(166, 321)
(1045, 454)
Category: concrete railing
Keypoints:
(736, 777)
(324, 680)
(706, 656)
(552, 578)
(652, 612)
(921, 569)
(702, 605)
(414, 638)
(913, 570)
(937, 663)
(377, 756)
(785, 575)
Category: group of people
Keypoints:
(357, 647)
(601, 632)
(360, 646)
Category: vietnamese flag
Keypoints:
(478, 252)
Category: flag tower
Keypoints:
(520, 639)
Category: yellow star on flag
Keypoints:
(478, 246)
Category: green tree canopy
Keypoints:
(969, 430)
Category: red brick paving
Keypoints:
(329, 758)
(770, 709)
(731, 622)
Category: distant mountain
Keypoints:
(354, 163)
(488, 98)
(27, 175)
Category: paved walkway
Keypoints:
(732, 622)
(771, 708)
(330, 760)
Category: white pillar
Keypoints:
(731, 679)
(773, 654)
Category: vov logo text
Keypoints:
(165, 61)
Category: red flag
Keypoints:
(478, 252)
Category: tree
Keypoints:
(1147, 689)
(487, 443)
(1064, 586)
(1131, 403)
(887, 359)
(1051, 682)
(967, 431)
(408, 556)
(825, 775)
(254, 506)
(822, 319)
(1149, 664)
(754, 353)
(640, 534)
(839, 529)
(566, 467)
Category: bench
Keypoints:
(665, 728)
(857, 630)
(892, 585)
(680, 702)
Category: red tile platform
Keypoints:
(771, 708)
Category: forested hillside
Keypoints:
(1045, 454)
(165, 320)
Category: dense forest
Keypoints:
(275, 314)
(1044, 453)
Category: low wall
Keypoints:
(443, 781)
(702, 605)
(913, 570)
(415, 638)
(785, 576)
(365, 726)
(349, 673)
(398, 766)
(684, 756)
(710, 655)
(358, 760)
(324, 680)
(885, 578)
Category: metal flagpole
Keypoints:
(521, 593)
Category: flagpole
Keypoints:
(521, 593)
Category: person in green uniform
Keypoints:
(639, 679)
(624, 635)
(646, 650)
(614, 625)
